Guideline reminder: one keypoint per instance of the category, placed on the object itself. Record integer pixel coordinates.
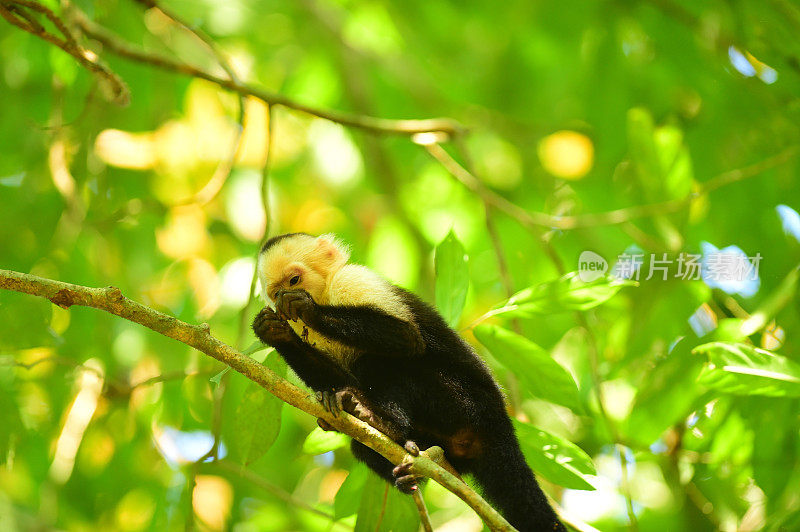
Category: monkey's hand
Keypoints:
(294, 304)
(271, 329)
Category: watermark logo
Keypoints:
(591, 266)
(729, 269)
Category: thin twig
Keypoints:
(625, 486)
(265, 171)
(244, 314)
(491, 199)
(114, 384)
(533, 221)
(539, 219)
(62, 361)
(383, 508)
(191, 483)
(491, 226)
(14, 12)
(170, 376)
(424, 517)
(198, 33)
(494, 237)
(360, 94)
(214, 185)
(264, 194)
(35, 27)
(368, 123)
(223, 170)
(275, 490)
(597, 385)
(487, 315)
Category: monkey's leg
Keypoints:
(394, 423)
(352, 401)
(398, 476)
(315, 369)
(362, 327)
(392, 420)
(373, 460)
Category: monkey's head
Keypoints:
(300, 261)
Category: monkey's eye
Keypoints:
(294, 280)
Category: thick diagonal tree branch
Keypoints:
(111, 300)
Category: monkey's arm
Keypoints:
(362, 327)
(318, 371)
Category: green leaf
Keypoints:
(669, 393)
(63, 65)
(675, 163)
(663, 166)
(401, 513)
(380, 507)
(197, 393)
(746, 370)
(255, 347)
(538, 373)
(216, 379)
(251, 350)
(348, 498)
(558, 460)
(643, 150)
(775, 443)
(25, 323)
(452, 278)
(783, 295)
(372, 506)
(320, 441)
(662, 162)
(12, 428)
(258, 417)
(564, 294)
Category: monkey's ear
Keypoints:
(333, 247)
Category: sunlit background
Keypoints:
(571, 108)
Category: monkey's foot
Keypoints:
(404, 479)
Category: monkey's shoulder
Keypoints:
(356, 285)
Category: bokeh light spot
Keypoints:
(212, 500)
(567, 154)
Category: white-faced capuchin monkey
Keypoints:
(377, 351)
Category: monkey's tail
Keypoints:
(511, 487)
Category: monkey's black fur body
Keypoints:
(428, 386)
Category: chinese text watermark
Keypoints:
(716, 266)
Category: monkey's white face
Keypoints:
(291, 275)
(299, 262)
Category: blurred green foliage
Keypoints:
(670, 402)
